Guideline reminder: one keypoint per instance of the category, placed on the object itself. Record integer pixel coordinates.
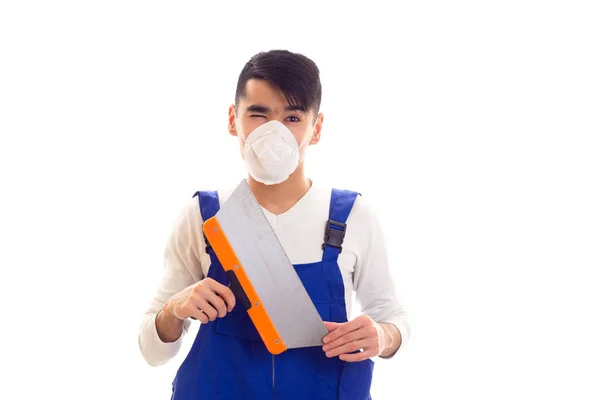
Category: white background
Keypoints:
(472, 125)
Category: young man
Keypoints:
(276, 117)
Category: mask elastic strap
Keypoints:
(308, 139)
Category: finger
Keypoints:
(217, 303)
(207, 309)
(361, 333)
(360, 356)
(342, 329)
(350, 347)
(225, 293)
(196, 313)
(331, 325)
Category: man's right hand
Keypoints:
(205, 301)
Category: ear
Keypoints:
(317, 129)
(231, 126)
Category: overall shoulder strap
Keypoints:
(340, 205)
(208, 200)
(209, 205)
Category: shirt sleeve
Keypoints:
(373, 282)
(182, 268)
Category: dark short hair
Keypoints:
(296, 75)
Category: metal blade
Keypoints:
(269, 269)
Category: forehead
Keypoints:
(265, 93)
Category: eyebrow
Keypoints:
(266, 110)
(258, 108)
(295, 108)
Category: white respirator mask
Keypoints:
(271, 153)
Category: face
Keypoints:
(265, 102)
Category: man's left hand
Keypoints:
(362, 333)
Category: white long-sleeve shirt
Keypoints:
(363, 262)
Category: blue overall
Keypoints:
(228, 359)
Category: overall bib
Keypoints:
(228, 359)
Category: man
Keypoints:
(276, 116)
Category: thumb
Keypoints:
(331, 326)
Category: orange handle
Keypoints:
(215, 235)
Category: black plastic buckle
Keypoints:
(208, 246)
(334, 234)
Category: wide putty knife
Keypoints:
(262, 274)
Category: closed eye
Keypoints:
(257, 116)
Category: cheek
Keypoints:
(301, 133)
(247, 125)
